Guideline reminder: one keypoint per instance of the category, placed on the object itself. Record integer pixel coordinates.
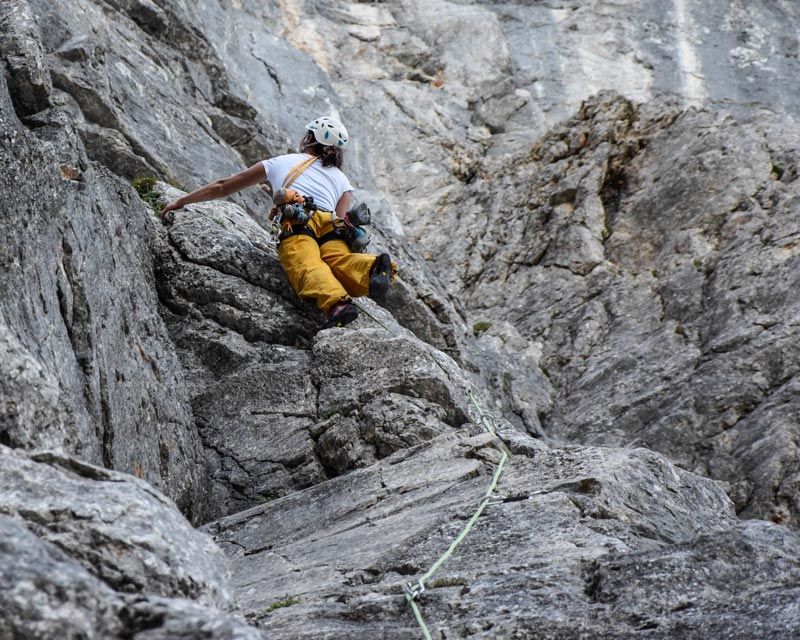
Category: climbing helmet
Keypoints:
(328, 131)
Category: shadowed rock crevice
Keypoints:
(27, 78)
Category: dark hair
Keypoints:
(330, 156)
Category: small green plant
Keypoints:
(144, 184)
(679, 330)
(145, 187)
(447, 582)
(479, 327)
(280, 604)
(219, 222)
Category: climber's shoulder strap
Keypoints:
(295, 171)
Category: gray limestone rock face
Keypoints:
(673, 325)
(25, 70)
(214, 261)
(174, 619)
(579, 542)
(379, 392)
(46, 594)
(117, 527)
(92, 553)
(431, 87)
(145, 89)
(599, 271)
(763, 603)
(88, 367)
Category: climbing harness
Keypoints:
(413, 591)
(292, 211)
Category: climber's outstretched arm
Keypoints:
(221, 188)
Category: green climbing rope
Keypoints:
(414, 590)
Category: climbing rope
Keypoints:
(414, 591)
(489, 423)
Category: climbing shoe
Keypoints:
(340, 314)
(380, 277)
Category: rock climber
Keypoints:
(315, 253)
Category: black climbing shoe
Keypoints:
(380, 277)
(341, 314)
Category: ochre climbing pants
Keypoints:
(327, 272)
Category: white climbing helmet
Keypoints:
(328, 131)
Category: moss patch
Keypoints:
(447, 582)
(145, 187)
(479, 327)
(280, 604)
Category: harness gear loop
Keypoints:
(275, 225)
(282, 214)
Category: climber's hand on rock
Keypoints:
(172, 206)
(168, 212)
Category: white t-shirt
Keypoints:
(325, 184)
